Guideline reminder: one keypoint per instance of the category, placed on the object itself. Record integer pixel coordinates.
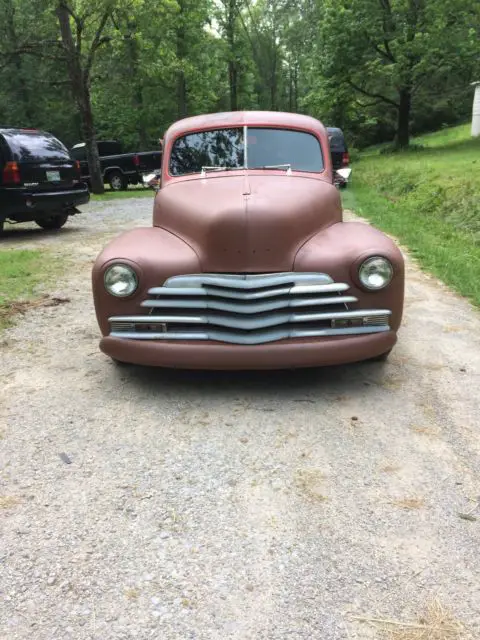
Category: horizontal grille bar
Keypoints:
(226, 292)
(247, 281)
(246, 307)
(247, 324)
(260, 337)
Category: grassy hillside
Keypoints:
(429, 197)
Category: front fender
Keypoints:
(340, 249)
(154, 253)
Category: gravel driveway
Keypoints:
(138, 503)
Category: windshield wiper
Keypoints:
(205, 170)
(286, 166)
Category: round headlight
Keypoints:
(120, 280)
(375, 273)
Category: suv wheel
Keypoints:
(52, 222)
(117, 181)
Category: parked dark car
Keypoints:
(39, 180)
(119, 169)
(338, 148)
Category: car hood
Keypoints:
(247, 223)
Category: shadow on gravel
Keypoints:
(13, 234)
(354, 377)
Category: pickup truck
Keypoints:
(119, 169)
(248, 263)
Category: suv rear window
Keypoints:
(79, 152)
(337, 140)
(35, 146)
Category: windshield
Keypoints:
(266, 148)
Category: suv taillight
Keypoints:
(136, 160)
(11, 173)
(345, 158)
(77, 169)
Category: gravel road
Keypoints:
(138, 503)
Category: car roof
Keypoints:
(246, 118)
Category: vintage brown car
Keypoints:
(248, 264)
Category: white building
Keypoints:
(476, 110)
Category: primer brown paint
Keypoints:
(248, 221)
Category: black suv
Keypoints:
(338, 148)
(38, 179)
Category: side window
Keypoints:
(79, 153)
(109, 148)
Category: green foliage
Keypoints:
(138, 192)
(342, 61)
(395, 64)
(429, 200)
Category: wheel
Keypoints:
(382, 357)
(117, 181)
(52, 222)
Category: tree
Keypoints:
(387, 50)
(20, 87)
(80, 56)
(125, 69)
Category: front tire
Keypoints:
(117, 181)
(52, 222)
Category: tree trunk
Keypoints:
(290, 88)
(136, 80)
(403, 121)
(273, 80)
(295, 87)
(182, 96)
(232, 64)
(81, 93)
(88, 129)
(18, 79)
(232, 74)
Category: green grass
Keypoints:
(429, 198)
(21, 273)
(446, 136)
(131, 192)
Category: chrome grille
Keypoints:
(249, 309)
